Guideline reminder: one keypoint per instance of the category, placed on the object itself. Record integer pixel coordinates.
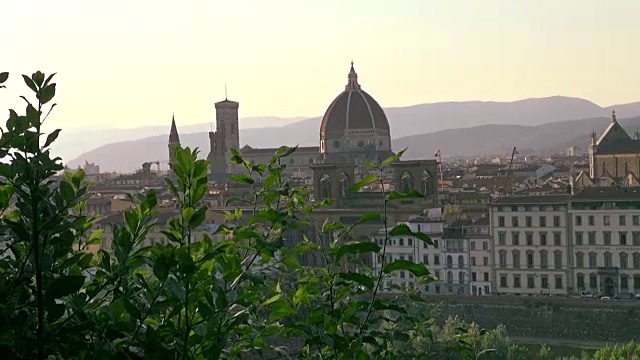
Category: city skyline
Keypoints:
(134, 65)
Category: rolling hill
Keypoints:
(546, 123)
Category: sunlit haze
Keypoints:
(133, 63)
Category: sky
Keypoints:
(132, 63)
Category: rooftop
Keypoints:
(533, 199)
(608, 193)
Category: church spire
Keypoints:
(352, 84)
(613, 116)
(174, 138)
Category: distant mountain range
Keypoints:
(456, 128)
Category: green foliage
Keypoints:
(247, 293)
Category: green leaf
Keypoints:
(355, 248)
(30, 83)
(331, 226)
(198, 218)
(55, 311)
(3, 77)
(47, 93)
(361, 279)
(410, 195)
(67, 192)
(292, 262)
(242, 179)
(393, 158)
(364, 182)
(38, 78)
(52, 137)
(417, 269)
(403, 229)
(160, 269)
(63, 286)
(272, 300)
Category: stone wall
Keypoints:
(547, 318)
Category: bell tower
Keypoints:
(224, 138)
(174, 139)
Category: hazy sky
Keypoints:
(132, 63)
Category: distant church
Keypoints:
(614, 158)
(354, 129)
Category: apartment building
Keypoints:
(479, 235)
(530, 243)
(606, 240)
(413, 249)
(456, 254)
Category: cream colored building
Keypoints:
(415, 250)
(530, 236)
(479, 235)
(606, 240)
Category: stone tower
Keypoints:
(174, 139)
(225, 138)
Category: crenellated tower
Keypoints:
(224, 138)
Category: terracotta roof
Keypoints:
(117, 218)
(533, 199)
(353, 109)
(483, 221)
(607, 193)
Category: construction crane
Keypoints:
(507, 184)
(438, 155)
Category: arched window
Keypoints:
(449, 261)
(406, 183)
(557, 259)
(593, 282)
(344, 185)
(516, 258)
(461, 262)
(624, 260)
(461, 277)
(579, 260)
(608, 259)
(636, 283)
(502, 258)
(636, 260)
(593, 260)
(544, 259)
(325, 186)
(580, 281)
(449, 276)
(427, 183)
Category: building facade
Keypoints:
(530, 238)
(479, 235)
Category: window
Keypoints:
(473, 261)
(592, 237)
(608, 259)
(592, 220)
(557, 259)
(543, 238)
(486, 276)
(531, 281)
(485, 245)
(530, 259)
(544, 261)
(578, 220)
(580, 281)
(544, 281)
(502, 238)
(436, 259)
(636, 283)
(528, 221)
(607, 237)
(516, 281)
(502, 259)
(460, 262)
(543, 221)
(401, 242)
(411, 258)
(515, 238)
(402, 274)
(485, 261)
(636, 261)
(593, 281)
(449, 262)
(624, 260)
(578, 238)
(473, 245)
(436, 243)
(635, 238)
(514, 208)
(425, 259)
(622, 219)
(529, 237)
(410, 241)
(556, 221)
(557, 239)
(593, 260)
(516, 258)
(503, 280)
(635, 219)
(501, 221)
(558, 282)
(622, 237)
(624, 282)
(474, 276)
(514, 221)
(579, 260)
(424, 245)
(606, 219)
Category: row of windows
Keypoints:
(532, 208)
(406, 242)
(528, 237)
(607, 238)
(530, 259)
(531, 281)
(606, 220)
(593, 263)
(528, 221)
(593, 282)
